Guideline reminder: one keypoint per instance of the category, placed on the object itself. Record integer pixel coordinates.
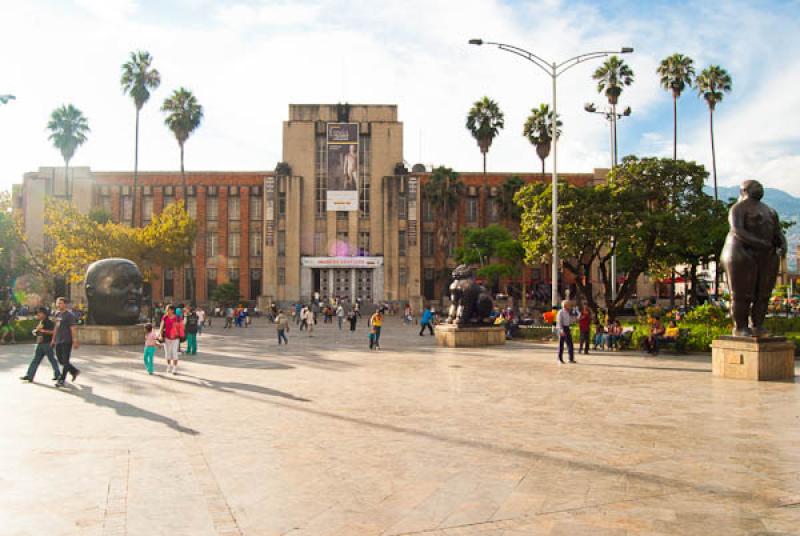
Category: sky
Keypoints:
(247, 60)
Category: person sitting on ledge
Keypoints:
(656, 333)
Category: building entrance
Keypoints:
(350, 283)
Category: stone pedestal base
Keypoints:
(749, 358)
(450, 336)
(111, 335)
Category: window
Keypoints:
(233, 244)
(427, 211)
(494, 210)
(211, 281)
(402, 206)
(341, 215)
(127, 208)
(281, 243)
(281, 276)
(168, 200)
(402, 276)
(188, 275)
(105, 203)
(169, 283)
(255, 244)
(147, 209)
(401, 244)
(319, 244)
(341, 242)
(364, 176)
(212, 208)
(233, 276)
(255, 283)
(233, 208)
(321, 176)
(451, 245)
(363, 243)
(471, 209)
(428, 283)
(212, 243)
(256, 206)
(191, 206)
(427, 244)
(281, 203)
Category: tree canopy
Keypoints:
(79, 240)
(655, 207)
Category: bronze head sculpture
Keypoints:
(114, 292)
(751, 259)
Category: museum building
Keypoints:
(341, 215)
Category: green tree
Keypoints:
(611, 77)
(539, 130)
(497, 252)
(184, 115)
(138, 80)
(68, 129)
(13, 263)
(649, 205)
(443, 192)
(485, 120)
(712, 84)
(677, 73)
(226, 294)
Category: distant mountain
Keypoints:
(788, 207)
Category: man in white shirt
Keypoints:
(563, 322)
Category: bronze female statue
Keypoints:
(751, 258)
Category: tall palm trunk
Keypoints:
(674, 158)
(192, 288)
(67, 189)
(485, 195)
(713, 153)
(135, 172)
(542, 159)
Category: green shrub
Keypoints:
(23, 329)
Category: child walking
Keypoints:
(150, 345)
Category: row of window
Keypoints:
(234, 244)
(211, 281)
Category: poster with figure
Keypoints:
(342, 153)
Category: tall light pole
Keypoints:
(553, 70)
(611, 117)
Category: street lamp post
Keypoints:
(553, 70)
(612, 118)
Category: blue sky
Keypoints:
(247, 60)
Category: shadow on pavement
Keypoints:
(234, 387)
(676, 369)
(123, 409)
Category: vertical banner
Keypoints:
(269, 210)
(342, 139)
(412, 211)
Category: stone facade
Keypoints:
(272, 231)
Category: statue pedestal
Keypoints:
(750, 358)
(450, 336)
(111, 335)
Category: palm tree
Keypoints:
(68, 128)
(677, 73)
(712, 84)
(184, 115)
(539, 130)
(509, 210)
(138, 80)
(611, 76)
(485, 121)
(443, 192)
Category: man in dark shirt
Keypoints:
(191, 322)
(65, 339)
(44, 339)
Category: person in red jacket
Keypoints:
(584, 327)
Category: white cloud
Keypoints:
(246, 61)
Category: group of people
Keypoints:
(56, 337)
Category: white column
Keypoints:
(305, 284)
(331, 287)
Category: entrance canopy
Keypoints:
(341, 262)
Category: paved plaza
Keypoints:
(325, 438)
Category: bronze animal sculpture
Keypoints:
(470, 303)
(751, 258)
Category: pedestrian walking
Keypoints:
(150, 345)
(65, 339)
(352, 318)
(309, 321)
(298, 308)
(376, 321)
(201, 320)
(228, 318)
(191, 325)
(340, 315)
(563, 323)
(426, 321)
(170, 333)
(282, 327)
(584, 329)
(44, 339)
(302, 318)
